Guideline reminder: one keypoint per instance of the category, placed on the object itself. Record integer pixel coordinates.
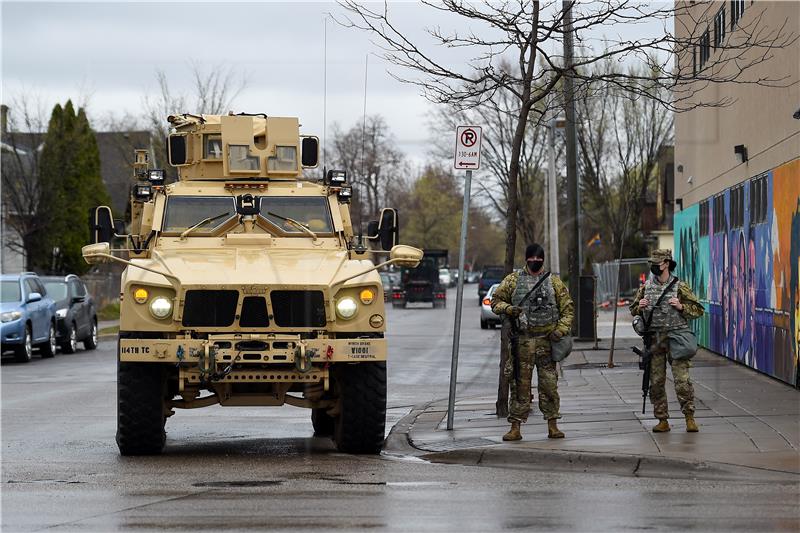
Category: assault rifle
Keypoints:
(514, 332)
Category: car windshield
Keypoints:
(10, 291)
(57, 290)
(493, 273)
(183, 212)
(310, 211)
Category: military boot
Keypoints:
(513, 433)
(661, 427)
(552, 430)
(691, 425)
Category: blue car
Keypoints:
(28, 316)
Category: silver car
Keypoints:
(488, 318)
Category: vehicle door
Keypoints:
(36, 311)
(80, 305)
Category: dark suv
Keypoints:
(76, 313)
(489, 276)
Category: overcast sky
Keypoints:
(106, 54)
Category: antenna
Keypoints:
(363, 142)
(324, 94)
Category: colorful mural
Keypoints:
(748, 277)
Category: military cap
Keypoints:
(659, 256)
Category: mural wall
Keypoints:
(748, 277)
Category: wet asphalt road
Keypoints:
(260, 469)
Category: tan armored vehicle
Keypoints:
(246, 286)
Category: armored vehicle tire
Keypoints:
(90, 342)
(70, 343)
(141, 389)
(361, 422)
(24, 352)
(48, 348)
(324, 424)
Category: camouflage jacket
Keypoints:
(501, 301)
(692, 308)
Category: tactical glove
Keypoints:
(514, 311)
(556, 335)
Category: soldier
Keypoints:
(546, 315)
(675, 310)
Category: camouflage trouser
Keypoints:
(533, 352)
(658, 379)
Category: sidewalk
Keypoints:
(746, 419)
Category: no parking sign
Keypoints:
(468, 148)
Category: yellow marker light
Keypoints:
(366, 296)
(140, 295)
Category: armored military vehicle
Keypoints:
(246, 285)
(423, 282)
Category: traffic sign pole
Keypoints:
(467, 157)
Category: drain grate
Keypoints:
(450, 445)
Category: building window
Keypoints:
(737, 207)
(737, 8)
(704, 218)
(719, 28)
(705, 48)
(758, 200)
(719, 213)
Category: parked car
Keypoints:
(28, 316)
(488, 318)
(471, 276)
(453, 277)
(76, 313)
(489, 276)
(445, 278)
(389, 280)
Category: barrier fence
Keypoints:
(630, 272)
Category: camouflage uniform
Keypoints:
(548, 309)
(665, 319)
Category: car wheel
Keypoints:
(24, 352)
(71, 344)
(484, 325)
(91, 341)
(48, 349)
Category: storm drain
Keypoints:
(450, 445)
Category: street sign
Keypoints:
(468, 148)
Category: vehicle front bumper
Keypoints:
(13, 332)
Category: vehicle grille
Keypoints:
(254, 312)
(302, 309)
(210, 308)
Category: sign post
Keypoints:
(467, 157)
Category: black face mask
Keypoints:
(535, 266)
(655, 269)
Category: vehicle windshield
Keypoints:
(10, 291)
(310, 211)
(183, 212)
(493, 273)
(57, 290)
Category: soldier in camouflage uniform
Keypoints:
(545, 316)
(675, 310)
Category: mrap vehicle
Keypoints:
(422, 283)
(245, 285)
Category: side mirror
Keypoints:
(33, 297)
(406, 256)
(372, 229)
(78, 299)
(309, 152)
(177, 150)
(388, 228)
(101, 224)
(96, 253)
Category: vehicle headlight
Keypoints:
(10, 315)
(61, 313)
(346, 308)
(160, 307)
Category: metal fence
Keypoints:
(103, 286)
(630, 272)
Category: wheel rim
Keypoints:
(52, 339)
(73, 339)
(94, 333)
(28, 344)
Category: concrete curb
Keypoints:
(400, 442)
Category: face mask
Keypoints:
(655, 269)
(535, 266)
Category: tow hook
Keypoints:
(207, 362)
(303, 357)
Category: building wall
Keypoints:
(746, 276)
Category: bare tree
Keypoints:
(531, 33)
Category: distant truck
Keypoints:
(422, 284)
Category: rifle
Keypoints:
(514, 333)
(646, 355)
